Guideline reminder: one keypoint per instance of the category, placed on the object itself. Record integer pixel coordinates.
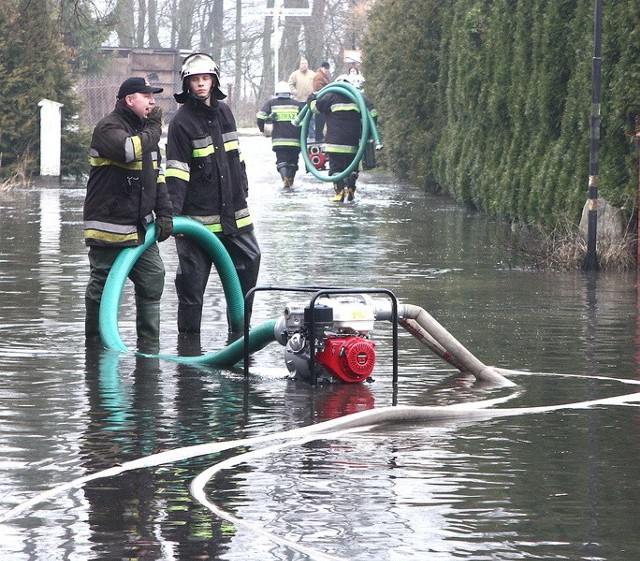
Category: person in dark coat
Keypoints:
(126, 192)
(279, 111)
(344, 128)
(207, 181)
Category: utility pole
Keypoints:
(238, 53)
(591, 259)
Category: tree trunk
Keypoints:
(142, 20)
(184, 26)
(154, 41)
(314, 35)
(212, 37)
(267, 82)
(124, 24)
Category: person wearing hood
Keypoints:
(207, 181)
(126, 192)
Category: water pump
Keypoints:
(342, 350)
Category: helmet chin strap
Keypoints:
(206, 99)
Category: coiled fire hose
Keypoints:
(112, 294)
(369, 129)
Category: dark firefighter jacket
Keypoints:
(344, 125)
(281, 111)
(126, 185)
(206, 174)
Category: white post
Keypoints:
(50, 137)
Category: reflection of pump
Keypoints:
(317, 157)
(341, 345)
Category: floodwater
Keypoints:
(540, 475)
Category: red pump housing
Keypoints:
(351, 358)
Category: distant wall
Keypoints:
(160, 66)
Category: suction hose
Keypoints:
(426, 329)
(112, 294)
(369, 128)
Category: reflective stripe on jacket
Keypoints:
(281, 111)
(126, 185)
(206, 173)
(344, 125)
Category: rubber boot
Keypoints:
(148, 319)
(282, 170)
(189, 344)
(189, 318)
(351, 186)
(291, 174)
(339, 189)
(92, 319)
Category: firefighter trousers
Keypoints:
(147, 276)
(194, 268)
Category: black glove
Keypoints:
(311, 97)
(155, 115)
(164, 227)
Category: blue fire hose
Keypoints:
(369, 129)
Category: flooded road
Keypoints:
(554, 483)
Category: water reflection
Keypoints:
(50, 269)
(546, 486)
(146, 512)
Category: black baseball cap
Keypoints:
(136, 85)
(325, 64)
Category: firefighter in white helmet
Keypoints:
(344, 128)
(207, 181)
(280, 110)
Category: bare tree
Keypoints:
(141, 26)
(238, 48)
(183, 24)
(212, 34)
(267, 81)
(241, 39)
(123, 23)
(154, 40)
(317, 50)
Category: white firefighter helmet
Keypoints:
(343, 78)
(199, 63)
(282, 89)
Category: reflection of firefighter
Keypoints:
(127, 421)
(279, 111)
(344, 128)
(122, 426)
